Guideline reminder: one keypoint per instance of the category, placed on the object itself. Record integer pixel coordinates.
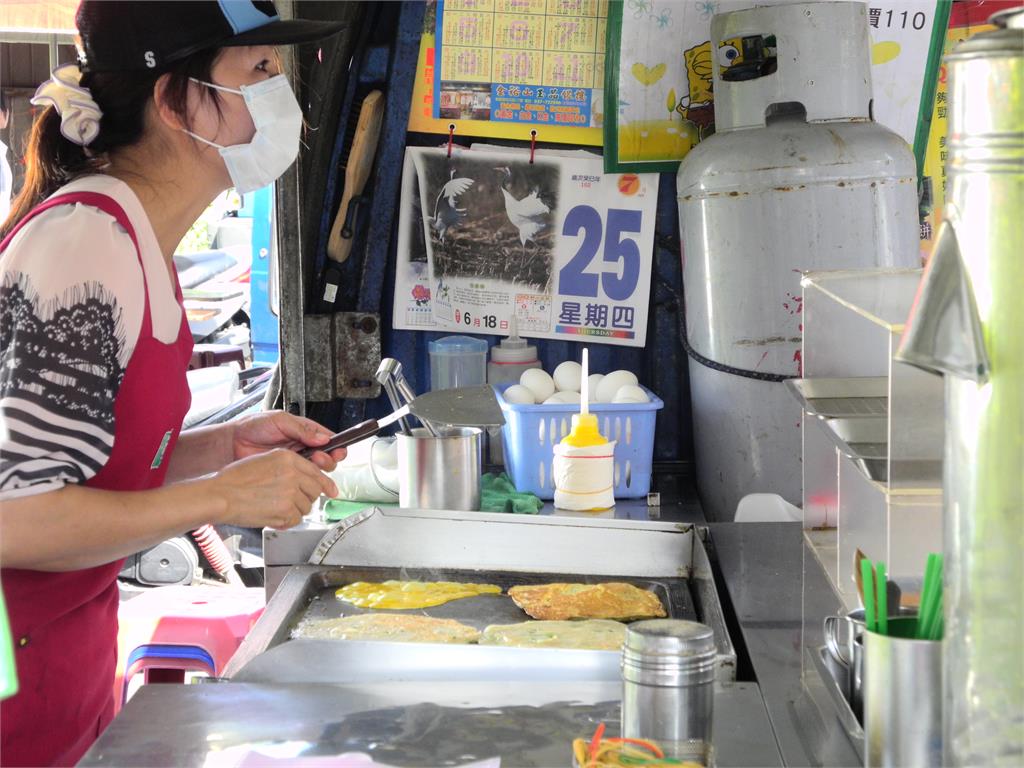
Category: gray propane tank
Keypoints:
(798, 177)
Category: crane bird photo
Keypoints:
(491, 217)
(448, 214)
(528, 215)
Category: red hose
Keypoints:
(216, 552)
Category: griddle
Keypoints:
(480, 611)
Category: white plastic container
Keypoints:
(509, 359)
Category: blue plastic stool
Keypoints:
(166, 664)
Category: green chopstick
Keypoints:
(931, 597)
(935, 604)
(868, 577)
(926, 589)
(883, 599)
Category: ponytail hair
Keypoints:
(51, 160)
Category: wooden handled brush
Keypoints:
(360, 154)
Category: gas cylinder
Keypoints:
(798, 177)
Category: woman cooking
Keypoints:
(169, 105)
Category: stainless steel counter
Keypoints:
(762, 567)
(410, 724)
(781, 719)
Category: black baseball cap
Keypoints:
(149, 34)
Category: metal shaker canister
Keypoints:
(668, 679)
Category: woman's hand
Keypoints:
(262, 432)
(273, 488)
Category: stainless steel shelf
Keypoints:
(865, 441)
(855, 414)
(862, 397)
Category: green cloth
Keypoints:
(498, 494)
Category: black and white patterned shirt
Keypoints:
(71, 306)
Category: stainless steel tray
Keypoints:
(842, 398)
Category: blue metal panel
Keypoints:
(366, 63)
(391, 155)
(265, 326)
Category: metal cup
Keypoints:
(902, 698)
(847, 652)
(440, 472)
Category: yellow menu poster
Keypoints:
(966, 20)
(504, 68)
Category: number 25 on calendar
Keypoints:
(620, 260)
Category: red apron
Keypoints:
(64, 625)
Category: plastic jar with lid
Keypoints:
(457, 361)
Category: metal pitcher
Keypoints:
(842, 639)
(968, 323)
(440, 472)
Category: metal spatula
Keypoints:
(461, 407)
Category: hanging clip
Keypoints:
(451, 138)
(533, 144)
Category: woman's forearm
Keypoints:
(77, 527)
(201, 451)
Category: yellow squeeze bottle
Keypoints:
(584, 432)
(584, 464)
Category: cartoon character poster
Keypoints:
(659, 95)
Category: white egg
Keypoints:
(567, 376)
(519, 395)
(631, 394)
(593, 380)
(563, 398)
(538, 382)
(612, 383)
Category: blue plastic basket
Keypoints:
(531, 432)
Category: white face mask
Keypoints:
(278, 120)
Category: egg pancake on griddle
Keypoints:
(609, 600)
(590, 635)
(395, 627)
